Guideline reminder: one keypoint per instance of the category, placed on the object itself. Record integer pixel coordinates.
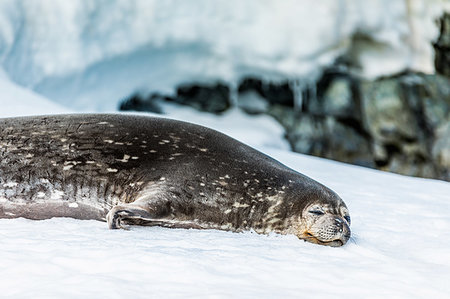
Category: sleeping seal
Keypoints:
(137, 170)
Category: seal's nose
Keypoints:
(339, 223)
(343, 228)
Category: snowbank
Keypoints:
(16, 100)
(84, 53)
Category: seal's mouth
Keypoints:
(310, 238)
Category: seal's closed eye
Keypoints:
(317, 212)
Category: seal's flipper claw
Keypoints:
(119, 216)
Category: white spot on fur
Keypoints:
(41, 194)
(124, 159)
(203, 149)
(44, 181)
(118, 143)
(228, 211)
(202, 184)
(103, 123)
(29, 156)
(10, 184)
(134, 158)
(162, 179)
(111, 170)
(63, 139)
(56, 194)
(240, 205)
(108, 141)
(152, 151)
(73, 205)
(67, 167)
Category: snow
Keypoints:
(399, 247)
(17, 100)
(75, 51)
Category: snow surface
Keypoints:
(75, 51)
(400, 245)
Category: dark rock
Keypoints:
(442, 47)
(275, 93)
(441, 149)
(393, 123)
(324, 136)
(385, 114)
(209, 98)
(337, 95)
(436, 99)
(399, 123)
(137, 102)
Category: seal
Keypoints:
(139, 170)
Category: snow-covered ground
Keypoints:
(400, 245)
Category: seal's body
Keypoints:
(153, 171)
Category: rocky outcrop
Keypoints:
(399, 124)
(209, 98)
(442, 47)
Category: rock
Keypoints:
(442, 47)
(399, 124)
(346, 144)
(337, 96)
(137, 102)
(275, 93)
(385, 114)
(323, 136)
(209, 98)
(436, 99)
(252, 102)
(441, 149)
(410, 166)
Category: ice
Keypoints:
(76, 51)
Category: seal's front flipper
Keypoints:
(137, 214)
(125, 214)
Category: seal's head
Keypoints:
(326, 222)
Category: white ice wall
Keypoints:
(87, 52)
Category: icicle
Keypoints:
(297, 86)
(312, 87)
(233, 94)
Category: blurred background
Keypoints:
(362, 82)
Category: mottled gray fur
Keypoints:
(153, 171)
